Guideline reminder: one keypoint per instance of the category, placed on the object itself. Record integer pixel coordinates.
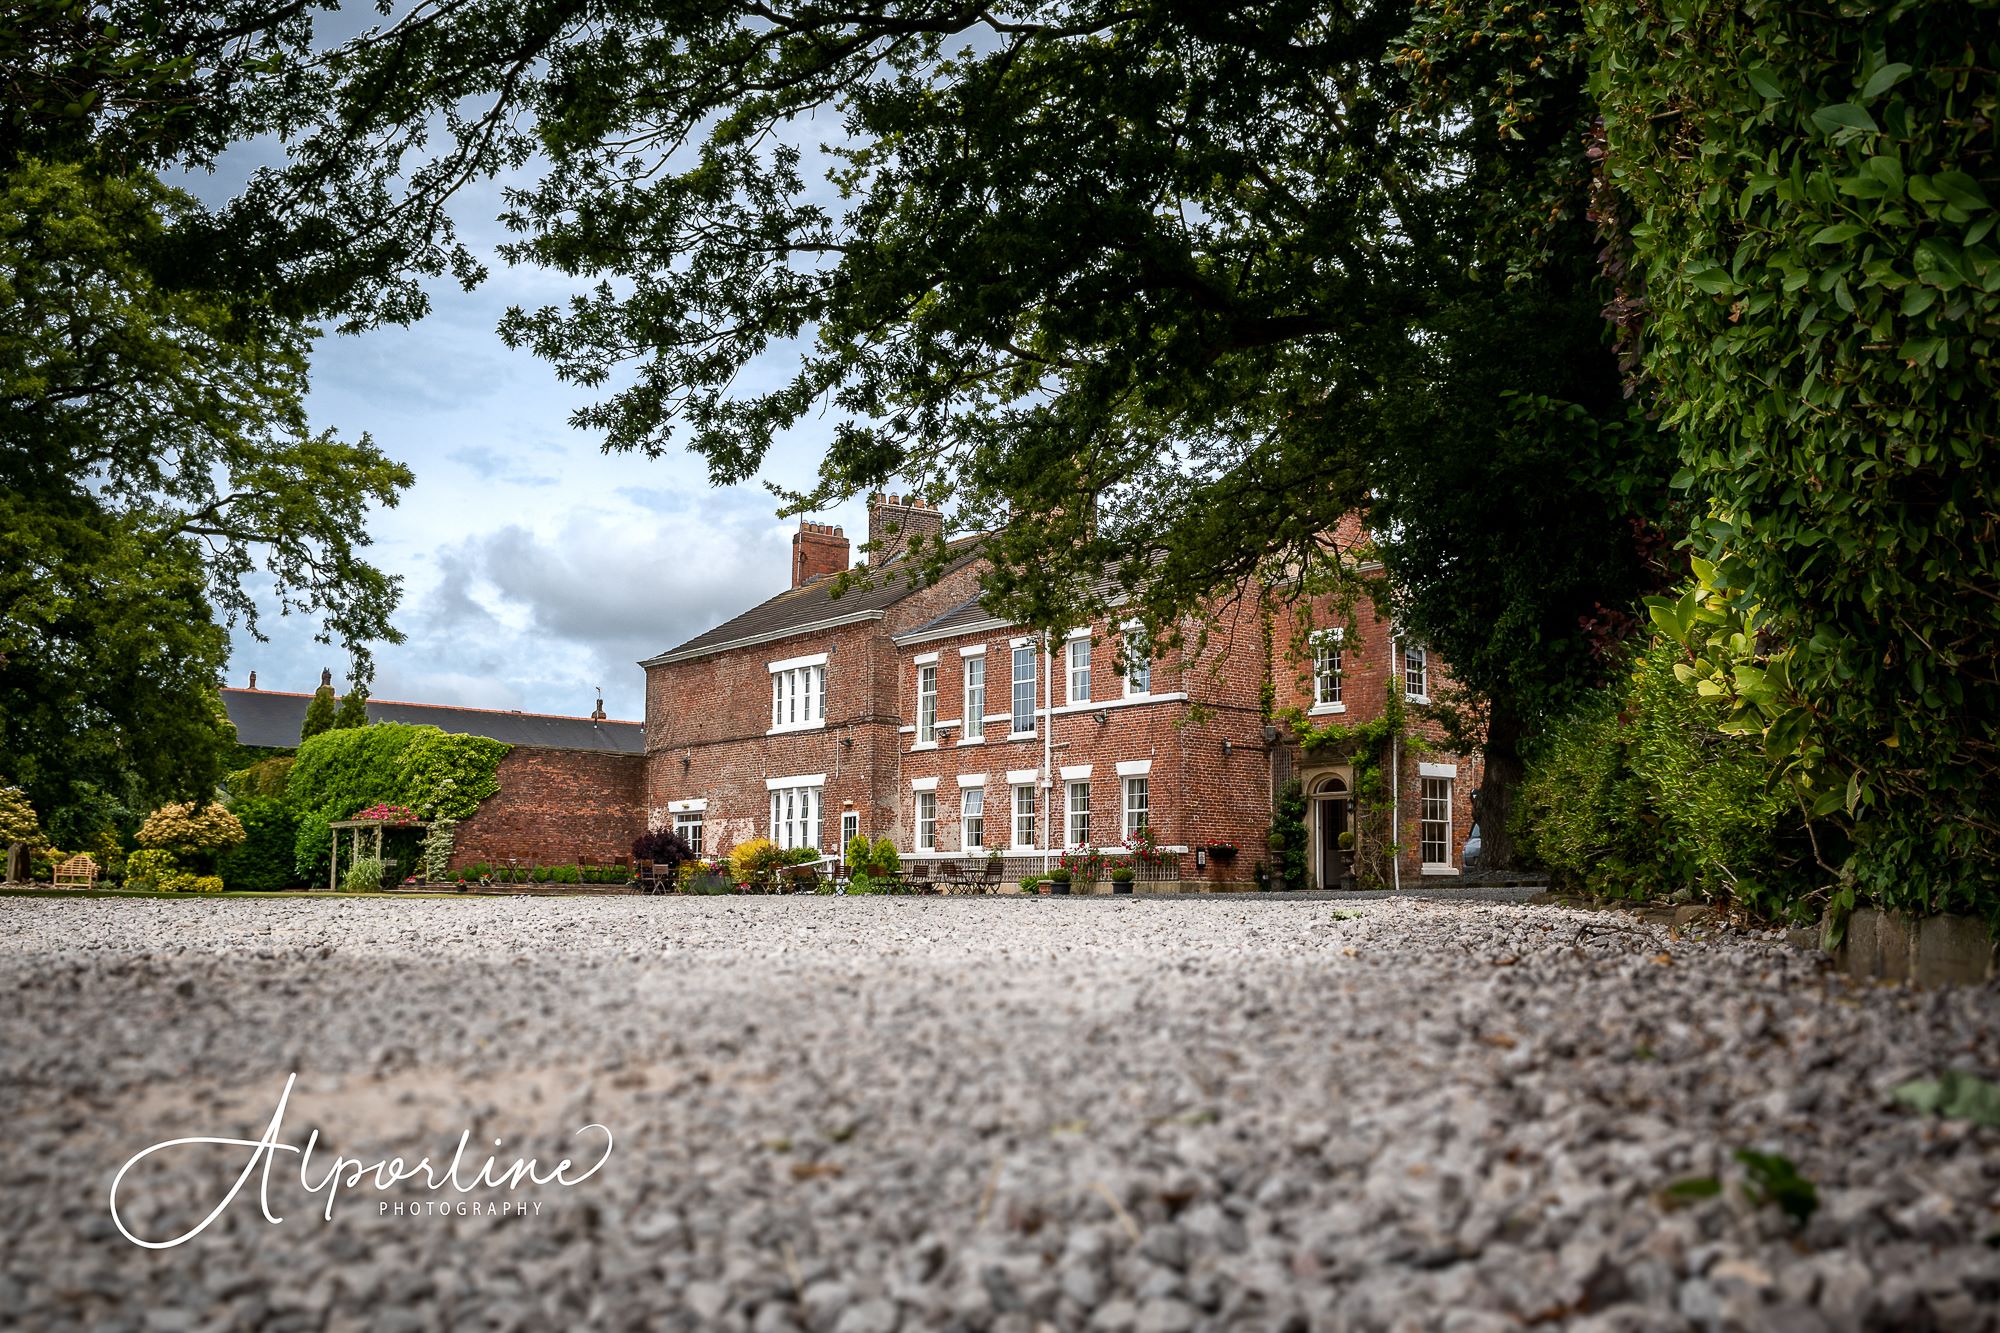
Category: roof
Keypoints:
(273, 718)
(972, 614)
(812, 607)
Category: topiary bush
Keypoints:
(263, 861)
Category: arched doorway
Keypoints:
(1330, 801)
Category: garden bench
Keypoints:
(79, 869)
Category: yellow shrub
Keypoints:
(149, 867)
(747, 858)
(188, 828)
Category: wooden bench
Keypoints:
(79, 869)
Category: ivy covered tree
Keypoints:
(321, 713)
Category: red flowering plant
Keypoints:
(1083, 862)
(1144, 847)
(388, 814)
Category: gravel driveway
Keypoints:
(854, 1116)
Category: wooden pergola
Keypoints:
(353, 828)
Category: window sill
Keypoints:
(971, 740)
(922, 745)
(791, 727)
(1322, 710)
(1416, 698)
(1022, 735)
(1430, 868)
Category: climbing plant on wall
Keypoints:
(438, 775)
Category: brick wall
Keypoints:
(555, 807)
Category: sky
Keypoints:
(536, 569)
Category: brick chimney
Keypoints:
(818, 549)
(894, 522)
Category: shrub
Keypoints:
(1060, 874)
(1125, 874)
(567, 875)
(755, 862)
(542, 873)
(365, 875)
(186, 828)
(264, 778)
(17, 818)
(145, 868)
(1636, 795)
(262, 862)
(181, 881)
(435, 858)
(1288, 834)
(664, 848)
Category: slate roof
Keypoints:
(273, 718)
(810, 607)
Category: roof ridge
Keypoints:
(455, 708)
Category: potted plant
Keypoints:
(1222, 852)
(1346, 842)
(1121, 879)
(1059, 880)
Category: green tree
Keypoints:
(1166, 287)
(18, 828)
(353, 710)
(321, 714)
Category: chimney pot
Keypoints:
(817, 551)
(253, 680)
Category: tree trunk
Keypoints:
(1504, 772)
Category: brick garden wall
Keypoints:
(555, 807)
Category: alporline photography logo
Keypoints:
(346, 1173)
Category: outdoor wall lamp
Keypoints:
(687, 762)
(1227, 748)
(1102, 715)
(847, 742)
(1270, 734)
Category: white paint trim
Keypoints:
(1022, 735)
(976, 740)
(793, 663)
(971, 780)
(1338, 634)
(1322, 710)
(817, 724)
(925, 659)
(1437, 770)
(1135, 768)
(1024, 641)
(1430, 868)
(772, 636)
(1075, 772)
(801, 780)
(922, 745)
(1022, 777)
(976, 650)
(923, 784)
(1123, 701)
(687, 807)
(1083, 633)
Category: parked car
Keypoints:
(1469, 858)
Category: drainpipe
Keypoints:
(1048, 750)
(1395, 787)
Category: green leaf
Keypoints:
(1775, 1182)
(1693, 1190)
(1958, 188)
(1883, 79)
(1917, 299)
(1955, 1096)
(1843, 116)
(1766, 84)
(1939, 263)
(1838, 232)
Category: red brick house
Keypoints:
(908, 710)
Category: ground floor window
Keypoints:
(1436, 825)
(690, 828)
(1024, 815)
(1138, 806)
(926, 821)
(1078, 832)
(972, 816)
(795, 817)
(850, 826)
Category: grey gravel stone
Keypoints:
(851, 1115)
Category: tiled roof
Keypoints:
(797, 609)
(273, 718)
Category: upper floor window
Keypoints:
(927, 703)
(1023, 717)
(973, 725)
(1417, 673)
(798, 693)
(1079, 670)
(1326, 668)
(1138, 661)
